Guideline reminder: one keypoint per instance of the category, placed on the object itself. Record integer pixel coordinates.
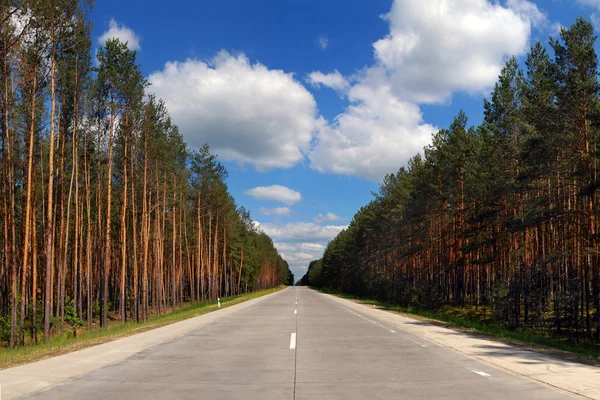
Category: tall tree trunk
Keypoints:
(26, 237)
(145, 222)
(136, 302)
(50, 207)
(107, 241)
(88, 235)
(173, 278)
(123, 304)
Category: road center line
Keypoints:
(295, 311)
(293, 341)
(480, 373)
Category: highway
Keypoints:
(299, 344)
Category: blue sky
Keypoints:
(310, 102)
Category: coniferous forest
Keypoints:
(105, 214)
(502, 217)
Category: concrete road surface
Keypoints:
(300, 344)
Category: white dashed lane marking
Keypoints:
(390, 330)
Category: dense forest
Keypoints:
(105, 214)
(503, 216)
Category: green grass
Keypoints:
(464, 319)
(66, 343)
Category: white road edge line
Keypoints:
(480, 373)
(293, 341)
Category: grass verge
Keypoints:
(455, 319)
(67, 343)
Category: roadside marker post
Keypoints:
(218, 302)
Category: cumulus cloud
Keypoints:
(284, 247)
(278, 211)
(375, 135)
(121, 32)
(438, 47)
(301, 232)
(298, 257)
(434, 48)
(327, 217)
(528, 11)
(277, 193)
(334, 80)
(314, 247)
(246, 112)
(300, 242)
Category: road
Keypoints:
(299, 344)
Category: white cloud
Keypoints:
(434, 48)
(595, 17)
(278, 211)
(323, 42)
(284, 247)
(278, 193)
(21, 21)
(314, 247)
(301, 232)
(529, 11)
(246, 112)
(438, 47)
(298, 262)
(556, 28)
(295, 257)
(121, 32)
(327, 217)
(334, 80)
(300, 242)
(375, 135)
